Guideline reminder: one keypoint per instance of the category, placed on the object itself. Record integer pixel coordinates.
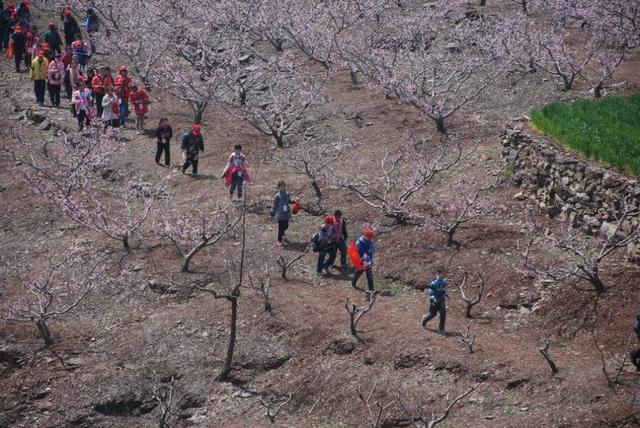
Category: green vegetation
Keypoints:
(607, 130)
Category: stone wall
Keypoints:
(569, 186)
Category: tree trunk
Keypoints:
(278, 45)
(523, 4)
(243, 97)
(440, 125)
(467, 312)
(198, 111)
(43, 328)
(186, 259)
(597, 90)
(279, 139)
(597, 283)
(125, 243)
(483, 2)
(316, 189)
(232, 339)
(354, 77)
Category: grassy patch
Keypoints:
(607, 130)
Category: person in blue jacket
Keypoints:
(366, 249)
(437, 301)
(635, 355)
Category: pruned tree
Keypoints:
(54, 293)
(545, 353)
(262, 285)
(577, 255)
(285, 264)
(416, 416)
(163, 394)
(356, 312)
(468, 339)
(274, 407)
(191, 228)
(469, 303)
(312, 157)
(374, 410)
(403, 174)
(613, 379)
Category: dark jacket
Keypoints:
(53, 38)
(281, 208)
(636, 328)
(19, 43)
(192, 144)
(164, 133)
(70, 29)
(438, 290)
(343, 230)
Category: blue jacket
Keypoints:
(438, 290)
(366, 250)
(281, 209)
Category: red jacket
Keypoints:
(139, 101)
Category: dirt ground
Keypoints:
(98, 372)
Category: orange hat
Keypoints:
(82, 79)
(369, 234)
(195, 129)
(123, 68)
(18, 29)
(329, 219)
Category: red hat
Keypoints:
(52, 25)
(369, 234)
(14, 15)
(82, 79)
(329, 219)
(195, 129)
(41, 54)
(123, 68)
(18, 29)
(11, 7)
(67, 12)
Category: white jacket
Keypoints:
(107, 113)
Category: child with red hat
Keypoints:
(123, 91)
(52, 37)
(366, 250)
(140, 101)
(82, 101)
(19, 41)
(323, 244)
(192, 145)
(38, 74)
(281, 210)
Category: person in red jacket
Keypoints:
(100, 83)
(140, 101)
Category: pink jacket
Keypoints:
(55, 73)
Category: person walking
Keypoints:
(82, 102)
(164, 133)
(100, 83)
(635, 355)
(70, 28)
(66, 61)
(55, 78)
(5, 28)
(281, 210)
(80, 50)
(437, 301)
(123, 91)
(52, 36)
(340, 225)
(192, 145)
(19, 41)
(236, 172)
(140, 101)
(110, 110)
(323, 244)
(366, 250)
(92, 24)
(38, 74)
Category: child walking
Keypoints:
(281, 210)
(236, 171)
(437, 301)
(366, 250)
(163, 135)
(323, 245)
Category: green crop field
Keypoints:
(606, 130)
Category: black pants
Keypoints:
(18, 58)
(236, 183)
(359, 273)
(283, 225)
(98, 101)
(190, 161)
(83, 119)
(67, 85)
(164, 147)
(39, 87)
(435, 307)
(321, 258)
(114, 123)
(54, 94)
(635, 359)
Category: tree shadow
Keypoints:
(203, 177)
(296, 246)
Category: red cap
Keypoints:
(41, 54)
(67, 12)
(369, 234)
(52, 25)
(82, 79)
(123, 68)
(18, 29)
(195, 129)
(329, 219)
(14, 15)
